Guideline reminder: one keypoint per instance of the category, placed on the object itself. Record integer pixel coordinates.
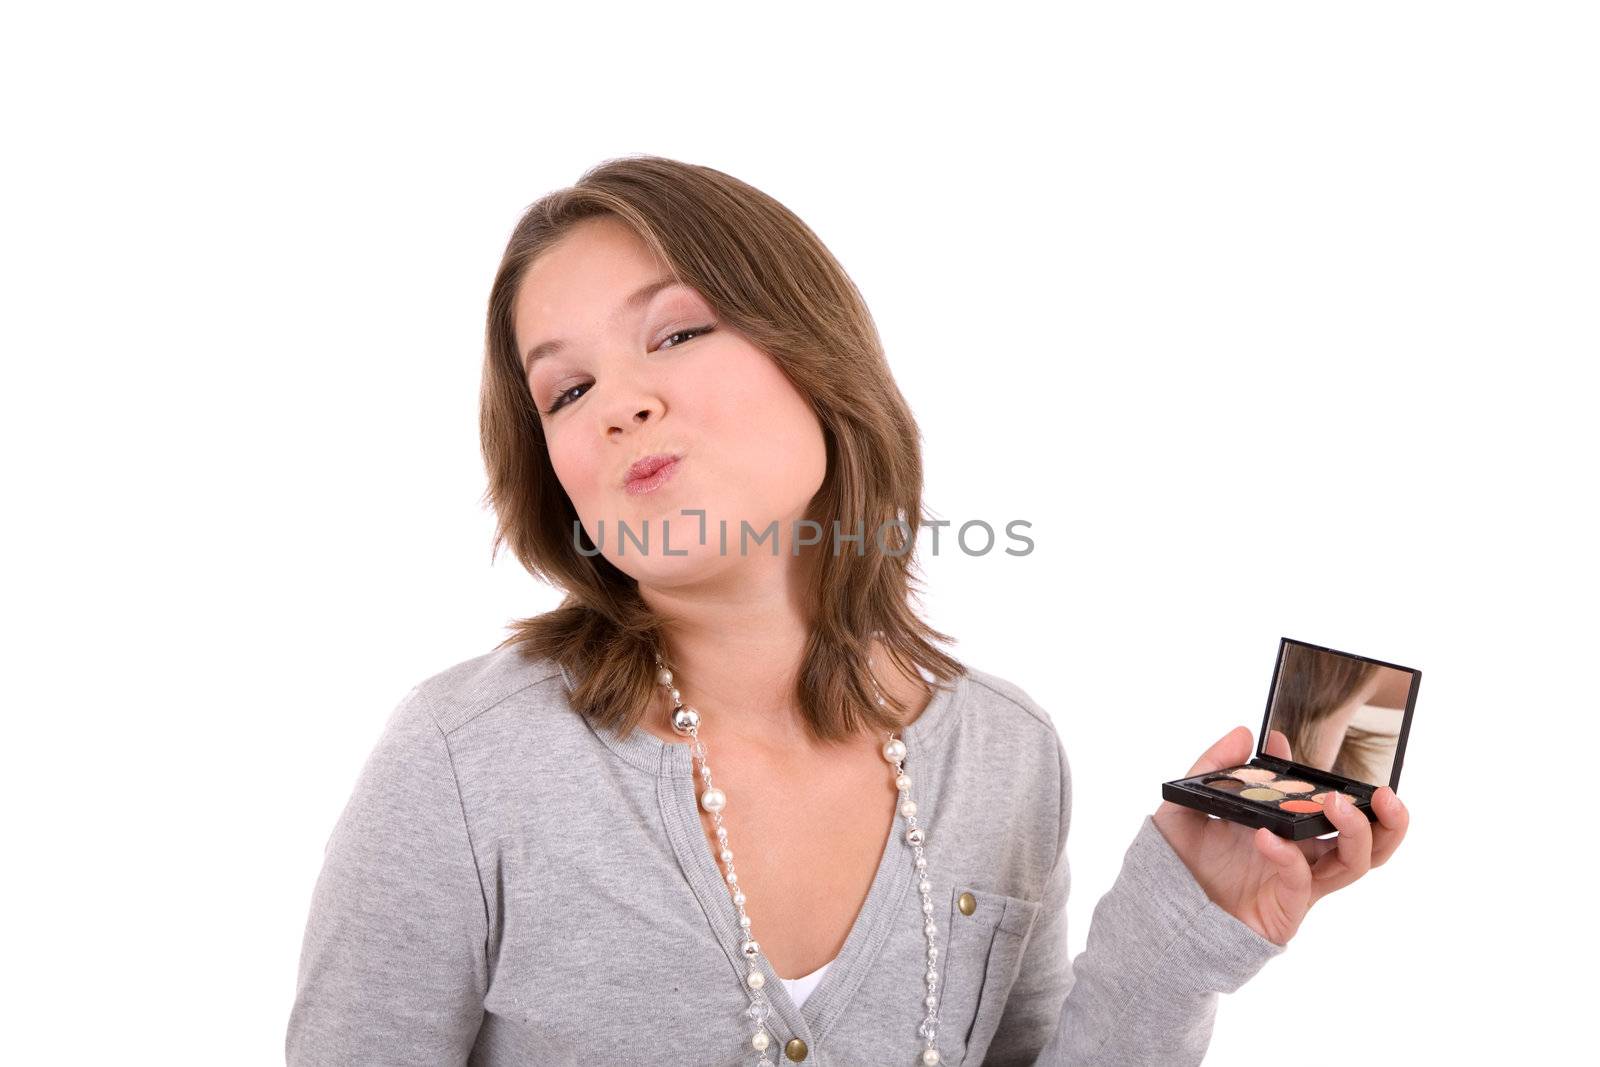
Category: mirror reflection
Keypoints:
(1340, 713)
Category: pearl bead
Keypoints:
(727, 855)
(930, 1057)
(756, 980)
(713, 799)
(927, 907)
(894, 751)
(733, 879)
(738, 898)
(908, 808)
(932, 1002)
(930, 929)
(902, 781)
(722, 833)
(922, 863)
(676, 695)
(760, 1041)
(664, 677)
(744, 921)
(925, 885)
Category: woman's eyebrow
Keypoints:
(639, 297)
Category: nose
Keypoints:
(632, 409)
(636, 420)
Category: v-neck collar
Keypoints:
(673, 765)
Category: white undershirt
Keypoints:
(800, 988)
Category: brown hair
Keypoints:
(764, 272)
(1312, 685)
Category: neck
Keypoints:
(735, 653)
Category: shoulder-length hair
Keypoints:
(766, 273)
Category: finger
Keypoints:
(1278, 744)
(1353, 855)
(1393, 819)
(1232, 750)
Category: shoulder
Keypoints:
(1003, 763)
(999, 706)
(1003, 719)
(1003, 697)
(465, 692)
(414, 772)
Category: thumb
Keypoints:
(1232, 750)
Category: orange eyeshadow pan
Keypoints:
(1300, 805)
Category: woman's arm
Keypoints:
(1144, 990)
(394, 967)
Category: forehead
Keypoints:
(582, 279)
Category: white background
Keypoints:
(1271, 318)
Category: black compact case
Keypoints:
(1346, 719)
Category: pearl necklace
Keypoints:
(686, 721)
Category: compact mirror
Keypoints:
(1345, 718)
(1344, 714)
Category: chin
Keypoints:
(697, 564)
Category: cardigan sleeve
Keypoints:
(394, 964)
(1145, 988)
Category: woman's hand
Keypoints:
(1261, 879)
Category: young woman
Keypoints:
(729, 803)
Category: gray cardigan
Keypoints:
(510, 885)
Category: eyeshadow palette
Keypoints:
(1335, 722)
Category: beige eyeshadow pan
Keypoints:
(1261, 793)
(1253, 774)
(1293, 785)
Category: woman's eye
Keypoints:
(565, 397)
(562, 399)
(691, 333)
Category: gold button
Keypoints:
(795, 1049)
(967, 903)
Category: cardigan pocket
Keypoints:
(982, 956)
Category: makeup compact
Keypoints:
(1343, 720)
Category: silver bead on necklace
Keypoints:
(686, 721)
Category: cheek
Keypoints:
(577, 471)
(768, 437)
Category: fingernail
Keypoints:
(1340, 804)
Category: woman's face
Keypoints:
(635, 376)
